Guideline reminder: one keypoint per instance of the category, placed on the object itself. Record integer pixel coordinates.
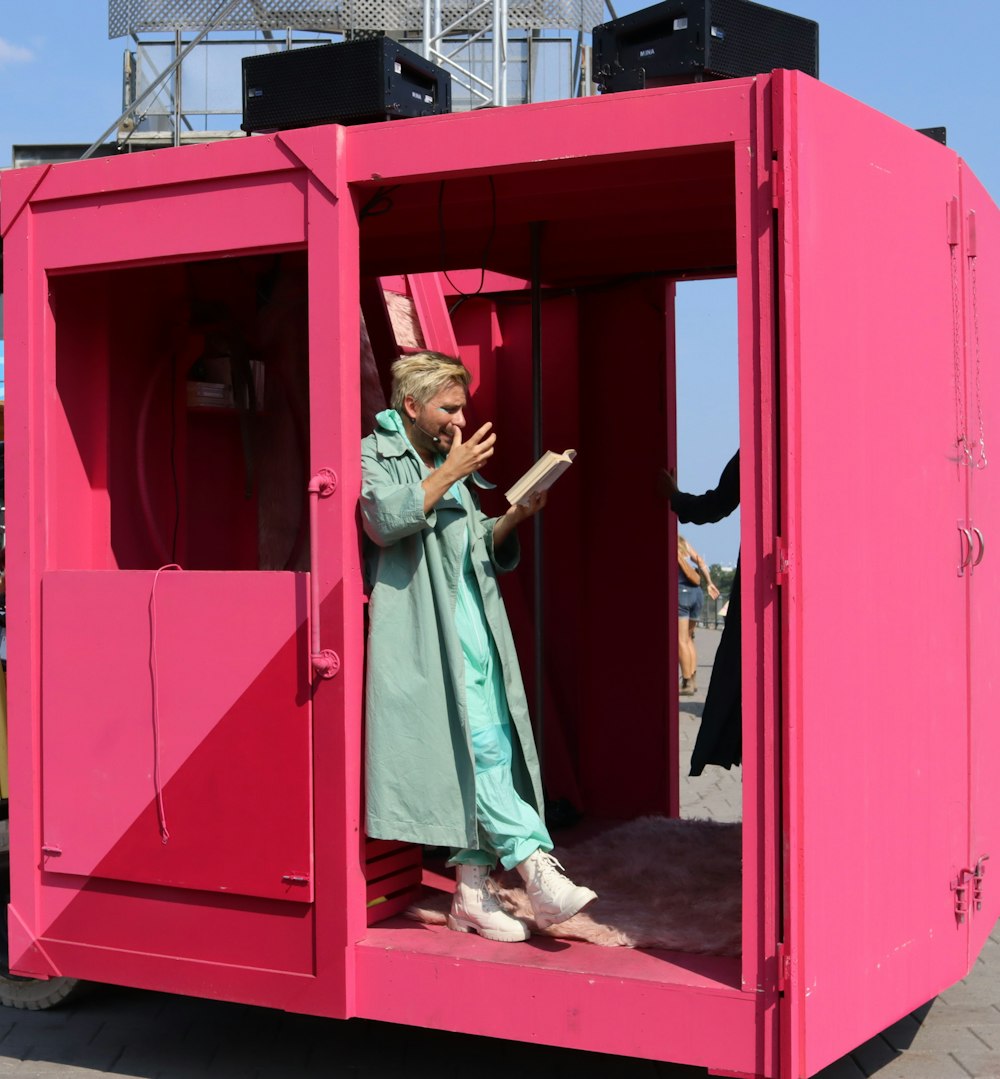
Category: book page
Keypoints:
(541, 476)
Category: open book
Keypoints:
(540, 477)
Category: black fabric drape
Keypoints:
(720, 736)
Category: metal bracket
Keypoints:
(326, 663)
(324, 483)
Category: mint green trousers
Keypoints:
(509, 829)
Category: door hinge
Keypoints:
(777, 184)
(784, 966)
(953, 222)
(966, 879)
(780, 560)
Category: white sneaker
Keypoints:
(476, 909)
(554, 897)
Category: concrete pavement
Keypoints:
(142, 1035)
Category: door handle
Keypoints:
(966, 550)
(982, 548)
(325, 662)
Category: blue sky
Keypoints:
(924, 63)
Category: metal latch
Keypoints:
(960, 886)
(977, 887)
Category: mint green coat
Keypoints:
(420, 773)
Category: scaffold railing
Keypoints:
(134, 17)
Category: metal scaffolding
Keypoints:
(181, 81)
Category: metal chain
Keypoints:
(981, 461)
(961, 438)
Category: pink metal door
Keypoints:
(978, 250)
(168, 723)
(176, 737)
(874, 611)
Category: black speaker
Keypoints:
(347, 82)
(692, 40)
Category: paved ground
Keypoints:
(156, 1036)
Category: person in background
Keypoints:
(691, 569)
(450, 756)
(720, 736)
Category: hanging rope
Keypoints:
(161, 813)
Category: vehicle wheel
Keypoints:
(32, 994)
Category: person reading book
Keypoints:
(450, 756)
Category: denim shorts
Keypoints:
(689, 601)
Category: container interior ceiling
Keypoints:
(672, 213)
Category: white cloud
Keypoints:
(14, 54)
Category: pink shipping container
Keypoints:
(186, 781)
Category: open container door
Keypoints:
(874, 617)
(978, 249)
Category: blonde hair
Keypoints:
(421, 375)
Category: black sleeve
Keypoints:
(713, 505)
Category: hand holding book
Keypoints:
(540, 477)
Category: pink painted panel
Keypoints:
(218, 929)
(556, 131)
(687, 1009)
(875, 692)
(182, 221)
(109, 178)
(759, 443)
(980, 266)
(205, 785)
(335, 443)
(290, 991)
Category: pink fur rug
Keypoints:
(660, 882)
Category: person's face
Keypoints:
(438, 418)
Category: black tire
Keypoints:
(31, 994)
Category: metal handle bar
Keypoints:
(325, 662)
(967, 554)
(982, 548)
